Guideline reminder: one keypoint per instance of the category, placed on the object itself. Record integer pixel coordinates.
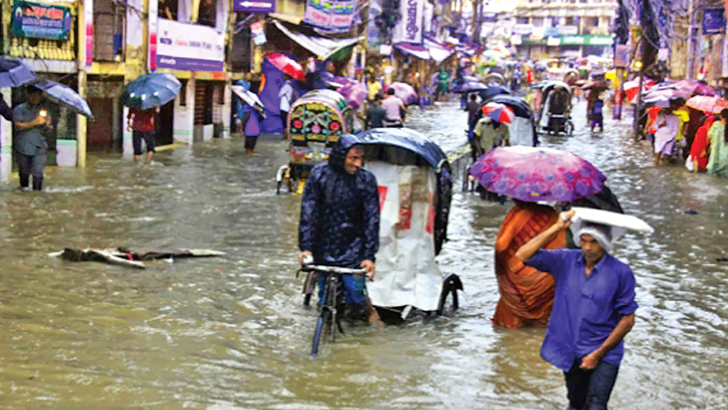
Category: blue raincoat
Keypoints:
(340, 212)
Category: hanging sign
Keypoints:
(152, 37)
(713, 21)
(409, 26)
(37, 20)
(330, 15)
(88, 20)
(258, 33)
(255, 6)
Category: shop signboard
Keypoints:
(88, 16)
(713, 20)
(255, 6)
(375, 7)
(335, 16)
(192, 47)
(37, 20)
(568, 30)
(522, 29)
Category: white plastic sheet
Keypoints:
(407, 274)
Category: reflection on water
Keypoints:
(231, 333)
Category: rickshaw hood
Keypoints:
(339, 151)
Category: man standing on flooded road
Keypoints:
(31, 151)
(339, 223)
(593, 310)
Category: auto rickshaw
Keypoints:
(315, 122)
(415, 191)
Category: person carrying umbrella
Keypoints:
(143, 124)
(31, 148)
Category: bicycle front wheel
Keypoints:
(323, 326)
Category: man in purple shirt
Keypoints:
(593, 310)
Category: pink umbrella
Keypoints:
(709, 105)
(355, 93)
(695, 87)
(537, 174)
(404, 92)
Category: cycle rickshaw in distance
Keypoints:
(556, 113)
(315, 122)
(415, 191)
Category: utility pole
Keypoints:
(691, 41)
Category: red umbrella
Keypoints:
(632, 88)
(287, 65)
(498, 112)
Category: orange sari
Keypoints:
(527, 295)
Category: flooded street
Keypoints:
(231, 333)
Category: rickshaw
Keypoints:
(315, 122)
(556, 113)
(523, 129)
(415, 191)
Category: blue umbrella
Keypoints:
(14, 73)
(151, 90)
(470, 86)
(65, 95)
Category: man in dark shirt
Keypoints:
(31, 148)
(376, 113)
(143, 123)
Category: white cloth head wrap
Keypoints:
(602, 234)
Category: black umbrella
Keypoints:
(519, 105)
(493, 90)
(14, 72)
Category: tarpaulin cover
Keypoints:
(323, 47)
(438, 51)
(416, 50)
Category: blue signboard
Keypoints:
(255, 6)
(713, 21)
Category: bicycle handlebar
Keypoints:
(334, 269)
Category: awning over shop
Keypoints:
(438, 51)
(417, 50)
(322, 47)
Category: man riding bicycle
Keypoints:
(339, 223)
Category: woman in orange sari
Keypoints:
(527, 295)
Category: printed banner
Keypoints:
(41, 21)
(256, 6)
(88, 19)
(429, 16)
(713, 21)
(409, 26)
(190, 47)
(152, 37)
(375, 7)
(330, 15)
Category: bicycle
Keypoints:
(332, 301)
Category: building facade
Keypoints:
(556, 28)
(96, 46)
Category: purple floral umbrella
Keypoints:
(537, 174)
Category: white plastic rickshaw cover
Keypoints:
(520, 132)
(406, 270)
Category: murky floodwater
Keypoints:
(231, 333)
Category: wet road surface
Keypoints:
(231, 333)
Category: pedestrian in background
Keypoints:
(376, 113)
(31, 148)
(667, 126)
(286, 96)
(718, 162)
(251, 117)
(395, 110)
(143, 124)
